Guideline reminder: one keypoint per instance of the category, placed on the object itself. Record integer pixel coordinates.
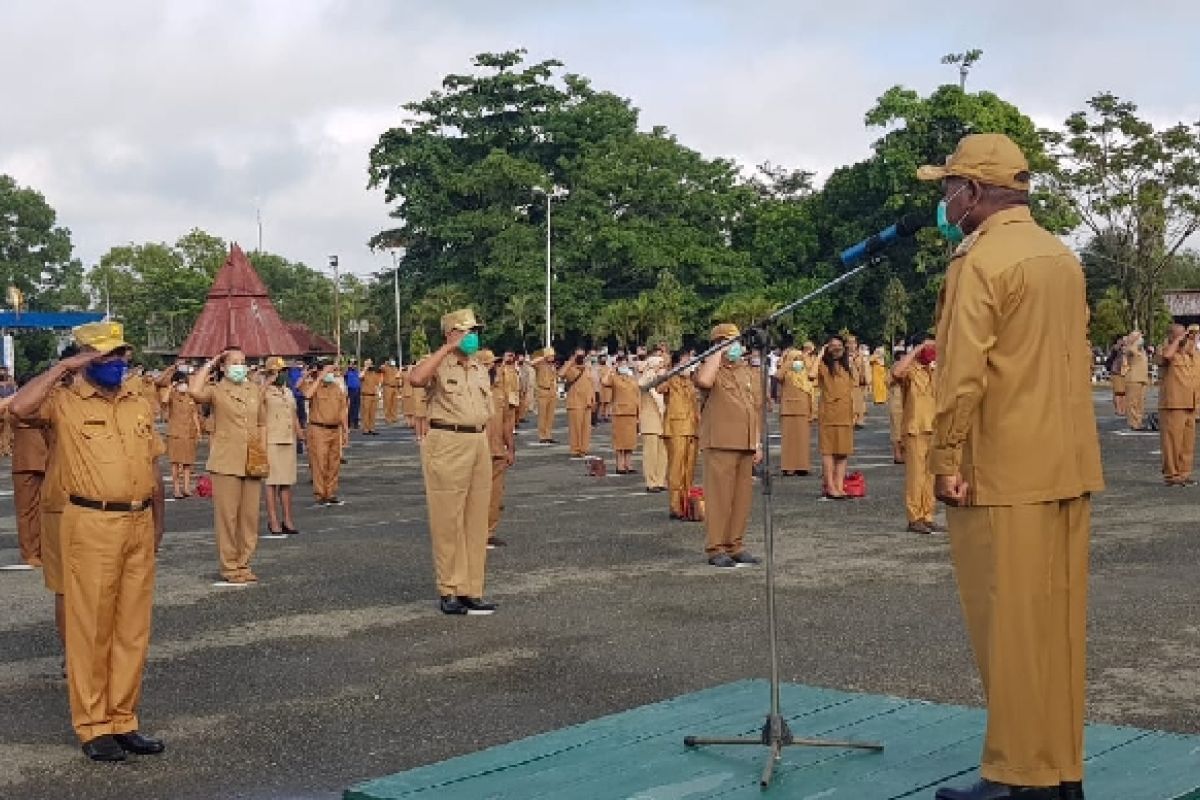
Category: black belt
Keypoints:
(100, 505)
(446, 426)
(324, 425)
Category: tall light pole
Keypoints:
(337, 308)
(554, 191)
(396, 293)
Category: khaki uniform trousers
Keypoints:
(370, 408)
(795, 443)
(458, 489)
(52, 560)
(654, 460)
(728, 490)
(1178, 427)
(27, 503)
(858, 400)
(499, 473)
(108, 560)
(681, 470)
(1022, 578)
(546, 408)
(236, 505)
(324, 460)
(918, 480)
(579, 421)
(1135, 404)
(391, 405)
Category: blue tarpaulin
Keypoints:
(47, 320)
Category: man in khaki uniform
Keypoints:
(1178, 399)
(650, 424)
(730, 436)
(372, 385)
(509, 381)
(1137, 378)
(29, 454)
(328, 432)
(407, 402)
(546, 387)
(1016, 456)
(581, 399)
(680, 424)
(914, 373)
(501, 441)
(392, 379)
(457, 463)
(106, 452)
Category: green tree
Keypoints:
(520, 311)
(895, 310)
(1134, 188)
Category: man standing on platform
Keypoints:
(1178, 398)
(106, 454)
(328, 432)
(546, 384)
(457, 463)
(1016, 456)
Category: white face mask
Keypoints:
(181, 387)
(626, 371)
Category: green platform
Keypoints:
(639, 755)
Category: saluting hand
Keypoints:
(81, 360)
(951, 489)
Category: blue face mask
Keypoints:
(469, 344)
(107, 374)
(951, 231)
(735, 351)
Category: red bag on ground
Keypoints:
(856, 485)
(204, 486)
(596, 467)
(694, 510)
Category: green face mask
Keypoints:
(949, 230)
(237, 372)
(469, 344)
(735, 352)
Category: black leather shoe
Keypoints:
(103, 748)
(477, 606)
(1070, 791)
(450, 605)
(744, 559)
(722, 561)
(987, 790)
(134, 742)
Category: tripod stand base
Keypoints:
(776, 735)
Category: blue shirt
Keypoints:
(353, 379)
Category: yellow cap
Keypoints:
(102, 336)
(1193, 328)
(485, 357)
(549, 352)
(461, 320)
(726, 330)
(990, 158)
(275, 363)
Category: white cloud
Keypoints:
(142, 119)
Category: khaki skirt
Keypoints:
(281, 462)
(181, 450)
(624, 433)
(836, 440)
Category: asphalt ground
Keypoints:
(337, 667)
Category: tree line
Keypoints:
(650, 239)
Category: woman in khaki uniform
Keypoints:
(730, 436)
(581, 399)
(836, 380)
(237, 415)
(283, 430)
(183, 433)
(624, 403)
(681, 421)
(796, 391)
(880, 378)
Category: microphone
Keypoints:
(908, 225)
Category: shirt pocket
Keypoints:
(100, 440)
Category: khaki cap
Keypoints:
(274, 364)
(485, 357)
(101, 336)
(990, 158)
(548, 352)
(461, 320)
(726, 330)
(1193, 328)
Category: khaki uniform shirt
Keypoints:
(31, 445)
(682, 417)
(919, 405)
(182, 416)
(104, 449)
(328, 405)
(392, 377)
(371, 381)
(281, 415)
(626, 400)
(237, 414)
(731, 416)
(1137, 366)
(1014, 397)
(546, 379)
(837, 395)
(581, 392)
(1178, 386)
(509, 384)
(796, 389)
(503, 419)
(406, 388)
(460, 393)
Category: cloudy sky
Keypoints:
(141, 119)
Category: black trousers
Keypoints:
(355, 406)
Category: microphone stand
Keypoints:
(775, 734)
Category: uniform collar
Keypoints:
(1005, 217)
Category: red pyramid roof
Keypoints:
(239, 313)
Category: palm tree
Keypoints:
(520, 310)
